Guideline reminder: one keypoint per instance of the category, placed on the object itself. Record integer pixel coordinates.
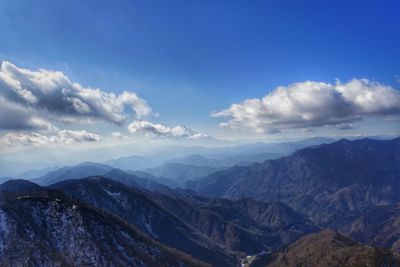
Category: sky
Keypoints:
(89, 72)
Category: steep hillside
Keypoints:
(328, 248)
(321, 181)
(238, 227)
(138, 209)
(377, 226)
(47, 229)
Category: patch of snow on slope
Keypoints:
(113, 194)
(149, 228)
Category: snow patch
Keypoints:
(113, 194)
(148, 227)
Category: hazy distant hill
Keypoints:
(73, 172)
(12, 164)
(219, 156)
(140, 182)
(196, 166)
(239, 159)
(30, 174)
(133, 163)
(182, 172)
(86, 169)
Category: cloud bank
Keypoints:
(37, 99)
(159, 130)
(312, 104)
(37, 139)
(15, 117)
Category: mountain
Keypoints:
(84, 169)
(377, 226)
(327, 248)
(18, 186)
(281, 148)
(213, 230)
(224, 162)
(289, 224)
(87, 169)
(48, 229)
(138, 182)
(5, 179)
(138, 209)
(30, 174)
(195, 160)
(245, 226)
(148, 155)
(181, 172)
(323, 182)
(242, 160)
(133, 163)
(240, 155)
(224, 156)
(268, 213)
(194, 167)
(158, 179)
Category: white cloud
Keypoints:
(118, 135)
(13, 139)
(26, 139)
(68, 136)
(312, 104)
(52, 97)
(159, 130)
(345, 126)
(16, 117)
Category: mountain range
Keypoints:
(270, 213)
(213, 231)
(321, 181)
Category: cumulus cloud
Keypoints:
(51, 96)
(118, 135)
(13, 139)
(15, 117)
(159, 130)
(346, 126)
(313, 104)
(68, 136)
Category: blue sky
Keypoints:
(190, 58)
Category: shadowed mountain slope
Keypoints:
(328, 248)
(137, 208)
(47, 229)
(321, 181)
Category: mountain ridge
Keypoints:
(317, 180)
